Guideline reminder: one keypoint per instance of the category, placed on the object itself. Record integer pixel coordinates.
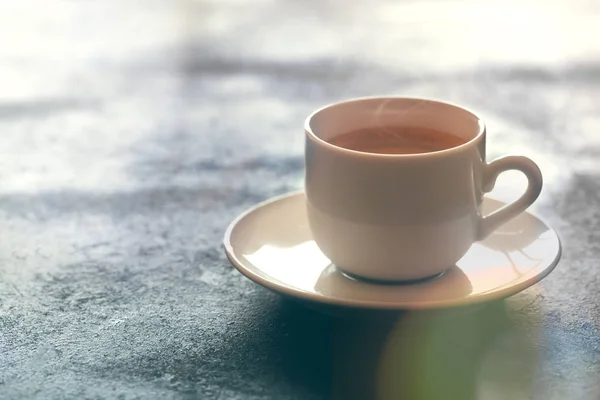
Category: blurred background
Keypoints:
(132, 132)
(139, 73)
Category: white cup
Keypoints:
(397, 217)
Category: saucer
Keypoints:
(272, 245)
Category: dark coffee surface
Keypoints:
(133, 132)
(397, 140)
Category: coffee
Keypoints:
(397, 140)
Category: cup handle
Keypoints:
(491, 172)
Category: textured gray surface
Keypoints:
(132, 132)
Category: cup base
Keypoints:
(363, 279)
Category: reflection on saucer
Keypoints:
(452, 284)
(302, 263)
(508, 254)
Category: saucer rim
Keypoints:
(299, 294)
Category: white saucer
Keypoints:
(272, 245)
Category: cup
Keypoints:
(402, 217)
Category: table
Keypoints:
(133, 132)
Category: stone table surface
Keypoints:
(133, 132)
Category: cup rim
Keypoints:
(311, 135)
